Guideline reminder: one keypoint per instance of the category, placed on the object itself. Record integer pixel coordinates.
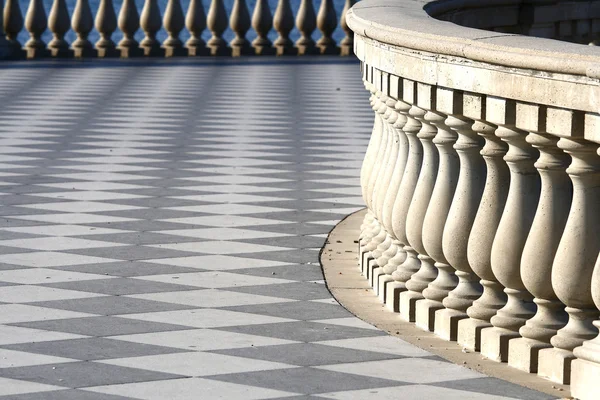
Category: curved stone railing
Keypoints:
(196, 20)
(482, 177)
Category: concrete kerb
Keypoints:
(339, 260)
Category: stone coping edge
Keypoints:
(406, 23)
(339, 260)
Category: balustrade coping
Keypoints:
(407, 23)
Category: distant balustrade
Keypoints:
(128, 22)
(482, 176)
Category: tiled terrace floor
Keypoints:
(160, 231)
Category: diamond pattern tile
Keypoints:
(160, 227)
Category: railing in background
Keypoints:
(174, 21)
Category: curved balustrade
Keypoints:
(482, 176)
(262, 20)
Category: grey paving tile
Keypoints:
(299, 242)
(121, 286)
(133, 253)
(295, 291)
(300, 310)
(306, 354)
(128, 268)
(300, 256)
(101, 326)
(83, 374)
(64, 395)
(111, 305)
(496, 387)
(306, 380)
(88, 349)
(304, 331)
(139, 238)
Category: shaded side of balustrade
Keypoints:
(482, 183)
(195, 19)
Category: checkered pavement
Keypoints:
(160, 229)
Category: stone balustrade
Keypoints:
(482, 176)
(129, 20)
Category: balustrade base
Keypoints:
(585, 377)
(374, 281)
(346, 50)
(36, 52)
(264, 50)
(495, 343)
(197, 51)
(382, 286)
(286, 51)
(446, 323)
(392, 295)
(469, 333)
(61, 52)
(555, 365)
(130, 52)
(408, 305)
(153, 52)
(85, 52)
(523, 354)
(425, 314)
(175, 52)
(105, 53)
(307, 50)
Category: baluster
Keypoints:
(347, 43)
(83, 23)
(306, 24)
(283, 21)
(481, 238)
(4, 47)
(262, 22)
(542, 242)
(507, 249)
(106, 24)
(416, 255)
(435, 220)
(378, 191)
(385, 175)
(35, 23)
(195, 22)
(217, 23)
(173, 22)
(586, 368)
(58, 23)
(13, 23)
(574, 261)
(151, 23)
(469, 189)
(387, 260)
(129, 23)
(402, 202)
(240, 24)
(326, 22)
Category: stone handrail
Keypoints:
(482, 176)
(174, 21)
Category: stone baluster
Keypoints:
(404, 197)
(574, 261)
(59, 24)
(542, 242)
(416, 255)
(35, 23)
(507, 249)
(174, 23)
(106, 24)
(150, 22)
(481, 238)
(586, 368)
(82, 23)
(390, 158)
(368, 176)
(217, 23)
(129, 23)
(4, 48)
(434, 223)
(13, 23)
(347, 43)
(469, 189)
(306, 24)
(378, 190)
(195, 22)
(326, 22)
(283, 22)
(389, 257)
(262, 22)
(240, 24)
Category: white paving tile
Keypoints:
(14, 313)
(14, 386)
(217, 262)
(15, 334)
(48, 259)
(12, 358)
(219, 247)
(32, 293)
(207, 298)
(212, 279)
